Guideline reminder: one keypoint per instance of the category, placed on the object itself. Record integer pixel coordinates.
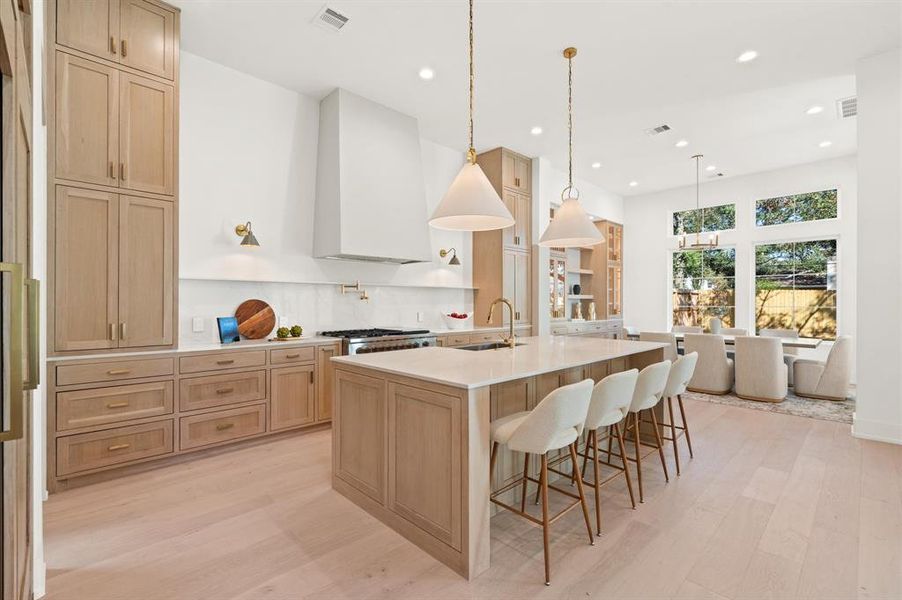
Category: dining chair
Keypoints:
(714, 370)
(789, 353)
(826, 380)
(686, 329)
(670, 351)
(554, 424)
(677, 381)
(760, 370)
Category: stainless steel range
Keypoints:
(364, 341)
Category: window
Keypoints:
(717, 218)
(703, 286)
(812, 206)
(795, 287)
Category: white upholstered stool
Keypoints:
(677, 381)
(648, 392)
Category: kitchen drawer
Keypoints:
(113, 371)
(224, 360)
(292, 355)
(478, 338)
(87, 451)
(457, 340)
(102, 406)
(221, 426)
(560, 330)
(219, 390)
(577, 329)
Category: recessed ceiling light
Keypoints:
(426, 73)
(813, 110)
(747, 56)
(825, 144)
(710, 168)
(634, 183)
(596, 165)
(536, 130)
(681, 144)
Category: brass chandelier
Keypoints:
(714, 238)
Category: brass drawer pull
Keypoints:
(118, 447)
(112, 332)
(112, 171)
(224, 426)
(293, 355)
(122, 333)
(122, 171)
(112, 45)
(118, 371)
(124, 48)
(225, 391)
(117, 404)
(225, 362)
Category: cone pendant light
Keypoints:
(571, 226)
(471, 203)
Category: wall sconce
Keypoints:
(454, 260)
(245, 232)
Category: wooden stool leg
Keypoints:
(597, 481)
(582, 494)
(492, 459)
(544, 489)
(685, 425)
(673, 434)
(539, 489)
(525, 481)
(586, 455)
(638, 456)
(610, 441)
(654, 422)
(626, 468)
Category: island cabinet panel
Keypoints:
(324, 381)
(358, 433)
(507, 399)
(293, 396)
(424, 460)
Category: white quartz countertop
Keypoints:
(242, 345)
(472, 369)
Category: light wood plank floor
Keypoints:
(773, 506)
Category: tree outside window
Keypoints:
(703, 287)
(812, 206)
(716, 218)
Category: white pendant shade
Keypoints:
(471, 204)
(571, 228)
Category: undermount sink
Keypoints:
(487, 346)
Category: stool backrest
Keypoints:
(563, 409)
(670, 353)
(680, 373)
(650, 386)
(611, 399)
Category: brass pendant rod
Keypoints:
(570, 56)
(471, 152)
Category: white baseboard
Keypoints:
(878, 431)
(39, 580)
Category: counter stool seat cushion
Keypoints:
(502, 429)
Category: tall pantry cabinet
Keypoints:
(112, 116)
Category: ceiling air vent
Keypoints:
(847, 107)
(657, 130)
(330, 20)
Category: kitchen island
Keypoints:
(411, 430)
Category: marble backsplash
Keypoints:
(316, 307)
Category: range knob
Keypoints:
(424, 344)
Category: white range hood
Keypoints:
(370, 194)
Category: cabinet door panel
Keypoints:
(145, 272)
(507, 399)
(292, 400)
(508, 284)
(508, 234)
(86, 279)
(521, 287)
(87, 120)
(324, 383)
(522, 226)
(522, 173)
(148, 37)
(146, 134)
(91, 26)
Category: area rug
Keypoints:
(826, 410)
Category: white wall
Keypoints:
(878, 413)
(248, 152)
(648, 239)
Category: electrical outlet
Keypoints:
(197, 324)
(419, 316)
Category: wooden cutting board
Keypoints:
(256, 319)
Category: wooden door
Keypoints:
(148, 37)
(87, 120)
(521, 289)
(146, 153)
(19, 368)
(324, 381)
(146, 262)
(91, 26)
(291, 397)
(86, 283)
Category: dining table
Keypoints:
(788, 342)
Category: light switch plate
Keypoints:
(197, 324)
(419, 316)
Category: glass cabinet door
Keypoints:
(557, 286)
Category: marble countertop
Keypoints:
(472, 369)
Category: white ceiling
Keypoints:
(639, 64)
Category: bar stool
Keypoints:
(680, 373)
(610, 405)
(649, 390)
(556, 423)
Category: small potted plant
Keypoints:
(283, 333)
(296, 331)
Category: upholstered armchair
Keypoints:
(714, 371)
(826, 380)
(760, 371)
(670, 352)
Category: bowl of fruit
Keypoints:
(456, 320)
